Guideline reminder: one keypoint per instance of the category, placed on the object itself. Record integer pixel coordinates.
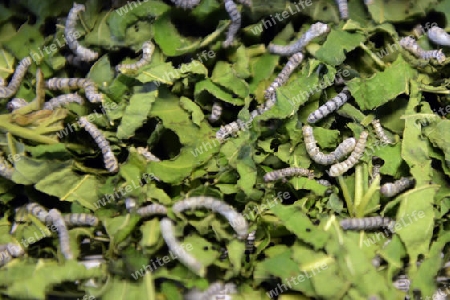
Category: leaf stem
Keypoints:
(6, 125)
(378, 61)
(366, 198)
(358, 185)
(347, 197)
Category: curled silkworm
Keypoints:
(343, 8)
(80, 219)
(235, 17)
(316, 30)
(6, 170)
(168, 234)
(58, 221)
(185, 4)
(411, 45)
(63, 100)
(379, 131)
(340, 152)
(330, 106)
(250, 242)
(16, 103)
(293, 62)
(109, 159)
(392, 189)
(286, 172)
(402, 283)
(439, 36)
(147, 52)
(368, 223)
(83, 53)
(237, 221)
(229, 129)
(19, 74)
(147, 154)
(355, 156)
(216, 112)
(88, 85)
(152, 209)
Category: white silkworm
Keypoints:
(147, 154)
(235, 17)
(438, 36)
(368, 223)
(392, 189)
(58, 221)
(8, 251)
(293, 62)
(6, 170)
(316, 30)
(355, 156)
(379, 131)
(152, 209)
(343, 8)
(109, 159)
(411, 45)
(185, 4)
(250, 242)
(89, 87)
(216, 112)
(229, 129)
(62, 100)
(330, 106)
(16, 103)
(147, 52)
(402, 283)
(237, 221)
(80, 219)
(216, 291)
(324, 182)
(83, 53)
(130, 204)
(286, 172)
(168, 234)
(38, 211)
(340, 152)
(19, 74)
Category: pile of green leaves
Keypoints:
(169, 115)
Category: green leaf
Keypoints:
(338, 43)
(208, 86)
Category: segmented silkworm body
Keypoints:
(89, 87)
(6, 170)
(286, 172)
(438, 36)
(147, 52)
(330, 106)
(147, 154)
(62, 100)
(109, 159)
(16, 103)
(19, 74)
(343, 8)
(168, 234)
(439, 295)
(235, 17)
(229, 129)
(8, 251)
(411, 45)
(58, 221)
(152, 209)
(250, 242)
(379, 131)
(80, 219)
(316, 29)
(216, 112)
(39, 212)
(402, 283)
(392, 189)
(237, 221)
(130, 203)
(293, 62)
(323, 182)
(83, 53)
(368, 223)
(185, 4)
(355, 156)
(342, 150)
(215, 291)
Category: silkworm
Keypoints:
(130, 203)
(186, 4)
(330, 106)
(80, 219)
(16, 103)
(89, 87)
(343, 8)
(2, 82)
(214, 291)
(58, 221)
(38, 211)
(323, 182)
(62, 100)
(402, 283)
(293, 62)
(368, 223)
(109, 159)
(237, 221)
(6, 170)
(411, 45)
(147, 154)
(250, 242)
(235, 17)
(355, 156)
(316, 30)
(392, 189)
(439, 295)
(286, 172)
(438, 36)
(229, 129)
(147, 52)
(379, 131)
(216, 112)
(168, 234)
(152, 209)
(83, 53)
(8, 251)
(19, 74)
(342, 150)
